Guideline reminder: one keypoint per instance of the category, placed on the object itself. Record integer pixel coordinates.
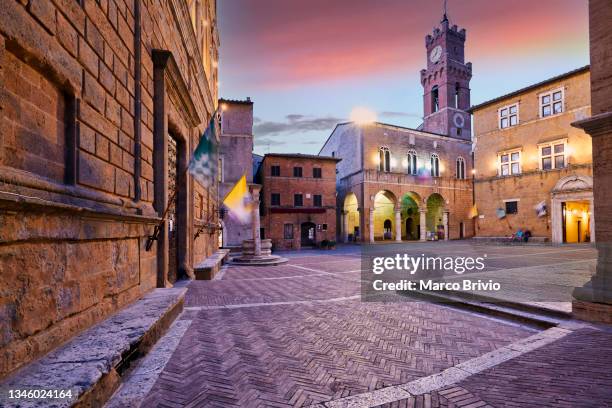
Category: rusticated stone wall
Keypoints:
(90, 91)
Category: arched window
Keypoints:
(384, 159)
(457, 95)
(412, 162)
(435, 103)
(435, 165)
(460, 168)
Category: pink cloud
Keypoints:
(282, 43)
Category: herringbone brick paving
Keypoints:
(300, 354)
(575, 372)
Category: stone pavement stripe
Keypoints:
(137, 384)
(450, 375)
(294, 302)
(299, 276)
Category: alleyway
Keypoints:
(298, 334)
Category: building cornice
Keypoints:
(598, 125)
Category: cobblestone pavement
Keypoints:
(298, 334)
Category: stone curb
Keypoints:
(533, 317)
(91, 364)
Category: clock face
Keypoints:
(458, 120)
(435, 54)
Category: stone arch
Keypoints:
(410, 204)
(351, 227)
(573, 183)
(435, 205)
(384, 206)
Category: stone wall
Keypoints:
(80, 158)
(533, 185)
(362, 177)
(236, 152)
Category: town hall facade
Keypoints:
(397, 183)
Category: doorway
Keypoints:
(409, 228)
(172, 213)
(576, 218)
(308, 234)
(387, 233)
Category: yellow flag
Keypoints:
(473, 212)
(235, 201)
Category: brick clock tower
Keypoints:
(446, 83)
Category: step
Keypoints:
(208, 268)
(90, 365)
(534, 317)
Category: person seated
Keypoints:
(518, 236)
(526, 236)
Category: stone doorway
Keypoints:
(172, 219)
(308, 234)
(576, 221)
(572, 201)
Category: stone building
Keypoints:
(101, 103)
(594, 300)
(528, 155)
(235, 160)
(298, 199)
(396, 183)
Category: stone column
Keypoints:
(593, 301)
(423, 223)
(256, 222)
(345, 225)
(398, 225)
(445, 222)
(371, 220)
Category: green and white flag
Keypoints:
(202, 165)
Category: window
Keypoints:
(552, 156)
(435, 165)
(435, 103)
(298, 200)
(508, 116)
(288, 231)
(324, 227)
(511, 207)
(457, 87)
(297, 172)
(275, 199)
(316, 172)
(317, 200)
(460, 168)
(551, 103)
(412, 162)
(275, 171)
(510, 163)
(384, 159)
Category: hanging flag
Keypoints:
(540, 209)
(236, 201)
(202, 165)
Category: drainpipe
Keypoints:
(137, 101)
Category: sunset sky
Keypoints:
(307, 63)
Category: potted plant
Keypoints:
(331, 244)
(324, 244)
